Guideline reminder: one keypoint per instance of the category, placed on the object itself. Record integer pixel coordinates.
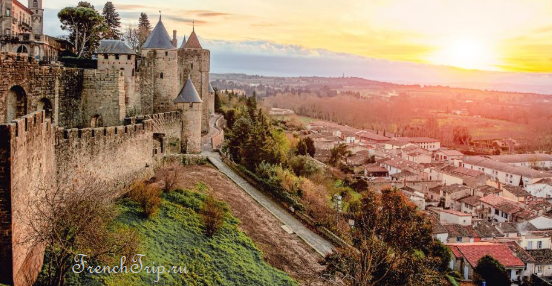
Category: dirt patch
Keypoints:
(282, 250)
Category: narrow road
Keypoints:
(319, 244)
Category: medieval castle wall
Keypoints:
(36, 158)
(27, 160)
(127, 64)
(103, 95)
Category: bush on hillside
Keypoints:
(148, 196)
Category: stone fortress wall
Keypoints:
(44, 146)
(61, 127)
(36, 156)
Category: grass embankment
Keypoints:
(175, 237)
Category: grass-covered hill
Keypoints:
(175, 237)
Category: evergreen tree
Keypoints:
(144, 28)
(113, 21)
(491, 271)
(218, 103)
(85, 26)
(85, 4)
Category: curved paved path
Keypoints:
(321, 245)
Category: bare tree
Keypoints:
(131, 36)
(72, 220)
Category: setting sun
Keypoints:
(466, 53)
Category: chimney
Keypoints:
(174, 40)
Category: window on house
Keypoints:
(459, 239)
(529, 245)
(8, 12)
(497, 212)
(539, 269)
(539, 244)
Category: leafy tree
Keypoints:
(338, 154)
(305, 146)
(461, 135)
(85, 26)
(311, 150)
(492, 271)
(144, 29)
(302, 148)
(394, 245)
(113, 21)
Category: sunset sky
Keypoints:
(490, 35)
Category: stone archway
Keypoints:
(96, 121)
(46, 105)
(16, 103)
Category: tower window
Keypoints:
(192, 65)
(166, 54)
(116, 57)
(35, 3)
(129, 57)
(106, 57)
(161, 75)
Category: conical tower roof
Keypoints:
(183, 43)
(188, 94)
(211, 90)
(193, 42)
(159, 38)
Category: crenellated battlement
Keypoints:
(164, 116)
(82, 137)
(29, 124)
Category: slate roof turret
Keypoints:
(159, 38)
(188, 94)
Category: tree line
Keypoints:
(87, 27)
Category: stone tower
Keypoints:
(37, 21)
(190, 104)
(194, 62)
(159, 80)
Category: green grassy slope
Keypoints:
(174, 237)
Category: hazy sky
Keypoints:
(492, 35)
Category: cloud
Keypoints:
(184, 20)
(213, 14)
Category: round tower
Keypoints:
(191, 107)
(194, 61)
(159, 80)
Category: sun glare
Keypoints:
(466, 53)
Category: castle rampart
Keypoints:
(27, 158)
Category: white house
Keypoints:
(526, 160)
(504, 172)
(454, 217)
(447, 155)
(541, 189)
(498, 208)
